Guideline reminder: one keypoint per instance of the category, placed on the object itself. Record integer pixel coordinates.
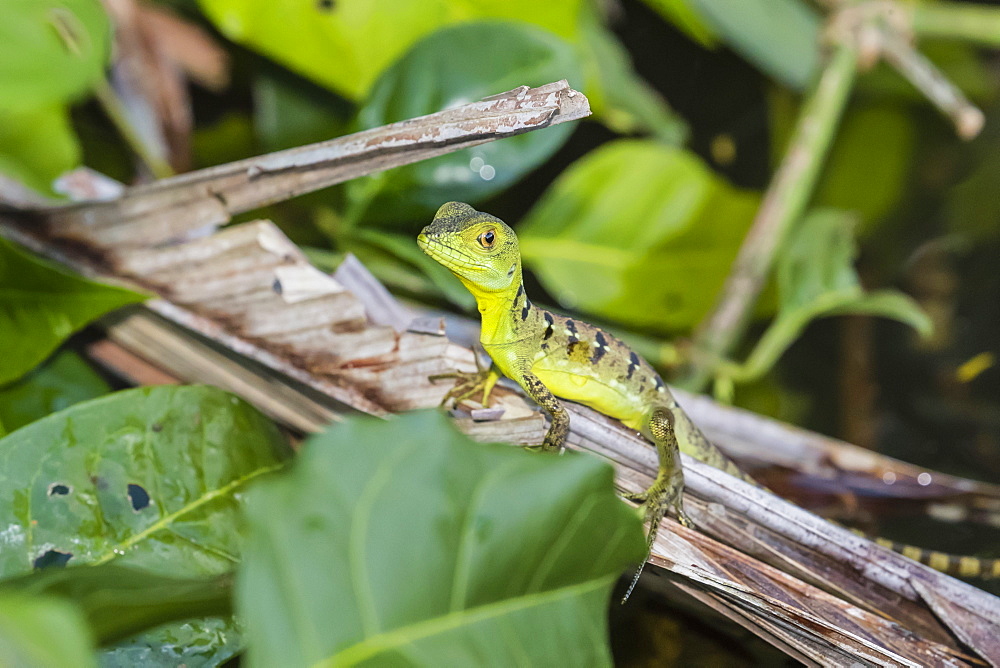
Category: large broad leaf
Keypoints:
(62, 381)
(638, 232)
(346, 44)
(51, 51)
(149, 478)
(454, 66)
(40, 306)
(42, 632)
(37, 145)
(780, 37)
(405, 543)
(816, 278)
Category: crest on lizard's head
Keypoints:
(479, 248)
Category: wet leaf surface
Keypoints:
(64, 496)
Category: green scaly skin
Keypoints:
(553, 357)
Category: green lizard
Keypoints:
(554, 357)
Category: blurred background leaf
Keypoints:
(346, 44)
(43, 632)
(816, 278)
(40, 306)
(451, 67)
(63, 380)
(639, 232)
(37, 145)
(778, 36)
(51, 51)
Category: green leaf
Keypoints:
(453, 66)
(290, 112)
(881, 136)
(42, 632)
(149, 478)
(618, 96)
(51, 51)
(118, 601)
(685, 18)
(37, 146)
(404, 543)
(346, 44)
(780, 37)
(40, 306)
(64, 380)
(816, 278)
(637, 232)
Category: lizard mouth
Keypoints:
(450, 257)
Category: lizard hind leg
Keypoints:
(666, 491)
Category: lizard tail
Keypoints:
(949, 564)
(694, 443)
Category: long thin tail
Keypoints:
(694, 443)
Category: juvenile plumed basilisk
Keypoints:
(553, 357)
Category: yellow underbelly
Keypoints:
(601, 396)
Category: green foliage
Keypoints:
(118, 601)
(40, 306)
(42, 632)
(51, 51)
(424, 547)
(618, 96)
(639, 232)
(450, 67)
(289, 112)
(65, 379)
(869, 163)
(816, 278)
(780, 37)
(345, 45)
(149, 478)
(37, 145)
(683, 15)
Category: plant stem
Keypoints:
(113, 107)
(979, 24)
(783, 205)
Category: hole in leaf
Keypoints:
(325, 5)
(138, 496)
(157, 427)
(53, 558)
(59, 488)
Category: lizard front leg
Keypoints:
(555, 438)
(467, 384)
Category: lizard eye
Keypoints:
(487, 238)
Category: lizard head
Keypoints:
(478, 248)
